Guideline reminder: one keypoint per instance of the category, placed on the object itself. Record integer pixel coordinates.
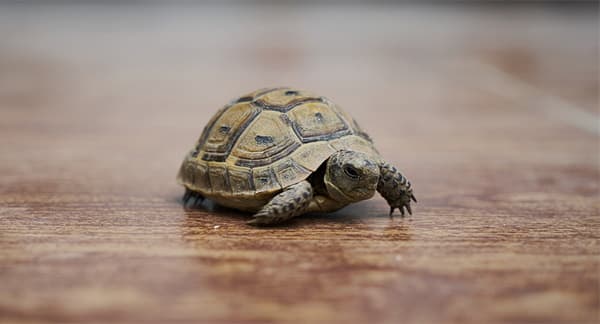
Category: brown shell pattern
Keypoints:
(265, 141)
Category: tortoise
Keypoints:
(282, 152)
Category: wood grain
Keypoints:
(491, 111)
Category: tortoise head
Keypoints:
(351, 176)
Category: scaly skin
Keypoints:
(292, 202)
(193, 196)
(395, 188)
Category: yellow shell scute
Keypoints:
(268, 139)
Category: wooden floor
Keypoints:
(491, 112)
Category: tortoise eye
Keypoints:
(351, 172)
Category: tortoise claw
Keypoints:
(402, 204)
(253, 222)
(186, 196)
(189, 195)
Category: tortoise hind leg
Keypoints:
(192, 196)
(292, 202)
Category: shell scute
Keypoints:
(225, 130)
(316, 121)
(311, 155)
(289, 171)
(284, 99)
(266, 141)
(240, 180)
(264, 179)
(219, 178)
(200, 177)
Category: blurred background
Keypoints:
(490, 108)
(447, 69)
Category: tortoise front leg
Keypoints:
(292, 202)
(395, 188)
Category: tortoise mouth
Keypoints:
(363, 193)
(357, 194)
(337, 194)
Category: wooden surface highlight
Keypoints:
(492, 112)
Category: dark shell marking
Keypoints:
(263, 140)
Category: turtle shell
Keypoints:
(265, 141)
